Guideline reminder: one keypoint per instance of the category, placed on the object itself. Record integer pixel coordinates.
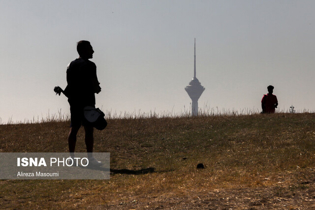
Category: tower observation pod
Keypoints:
(194, 89)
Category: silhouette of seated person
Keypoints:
(269, 102)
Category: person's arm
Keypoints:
(95, 82)
(69, 79)
(276, 104)
(263, 104)
(96, 86)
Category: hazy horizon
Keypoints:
(144, 53)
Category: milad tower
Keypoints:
(194, 89)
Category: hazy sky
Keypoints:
(144, 53)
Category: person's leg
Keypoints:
(89, 140)
(76, 118)
(72, 139)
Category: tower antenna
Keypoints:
(195, 59)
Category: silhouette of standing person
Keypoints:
(269, 102)
(82, 84)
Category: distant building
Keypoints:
(194, 89)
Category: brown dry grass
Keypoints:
(256, 161)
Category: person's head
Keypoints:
(270, 89)
(85, 49)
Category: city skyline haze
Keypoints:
(144, 54)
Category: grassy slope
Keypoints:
(257, 151)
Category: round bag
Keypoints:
(95, 117)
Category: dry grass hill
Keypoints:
(251, 162)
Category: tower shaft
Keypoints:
(194, 107)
